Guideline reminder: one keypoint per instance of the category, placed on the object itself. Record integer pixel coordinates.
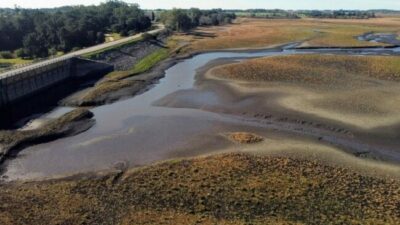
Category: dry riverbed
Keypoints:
(289, 120)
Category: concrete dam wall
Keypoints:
(25, 83)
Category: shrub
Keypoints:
(53, 51)
(20, 53)
(76, 49)
(6, 55)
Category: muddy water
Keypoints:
(386, 38)
(135, 132)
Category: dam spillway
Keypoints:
(25, 82)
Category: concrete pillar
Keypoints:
(3, 97)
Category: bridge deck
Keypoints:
(75, 54)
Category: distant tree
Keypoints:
(35, 46)
(205, 21)
(53, 51)
(6, 55)
(38, 31)
(20, 53)
(194, 15)
(100, 37)
(176, 19)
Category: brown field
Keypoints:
(256, 33)
(313, 69)
(223, 189)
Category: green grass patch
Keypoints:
(142, 66)
(113, 37)
(149, 61)
(15, 61)
(6, 64)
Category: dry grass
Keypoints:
(223, 189)
(359, 91)
(312, 69)
(245, 138)
(262, 32)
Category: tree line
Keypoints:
(296, 14)
(185, 19)
(44, 32)
(340, 14)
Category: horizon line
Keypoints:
(350, 9)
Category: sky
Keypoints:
(227, 4)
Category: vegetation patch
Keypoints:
(98, 94)
(223, 189)
(245, 138)
(312, 69)
(251, 32)
(38, 33)
(112, 37)
(71, 123)
(142, 66)
(151, 60)
(15, 61)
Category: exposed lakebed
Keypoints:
(185, 115)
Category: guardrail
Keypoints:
(18, 66)
(34, 65)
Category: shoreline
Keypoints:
(352, 139)
(152, 77)
(70, 124)
(211, 64)
(156, 73)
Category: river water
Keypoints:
(135, 132)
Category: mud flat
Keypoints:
(305, 146)
(299, 136)
(338, 99)
(199, 108)
(360, 91)
(72, 123)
